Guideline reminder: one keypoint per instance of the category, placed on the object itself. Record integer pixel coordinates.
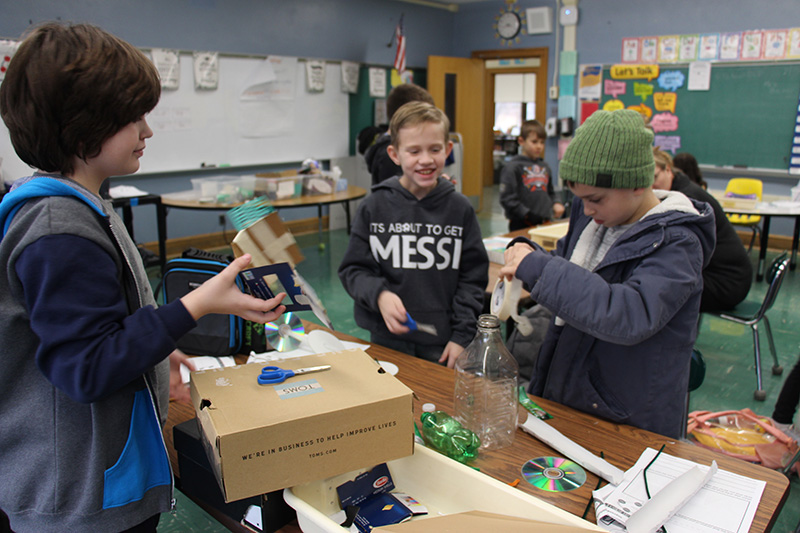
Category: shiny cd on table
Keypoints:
(284, 333)
(553, 474)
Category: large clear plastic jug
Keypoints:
(486, 387)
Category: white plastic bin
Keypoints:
(441, 484)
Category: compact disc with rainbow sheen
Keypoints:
(285, 333)
(554, 474)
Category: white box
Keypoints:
(441, 484)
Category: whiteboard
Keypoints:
(216, 127)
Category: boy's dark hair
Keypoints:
(686, 162)
(534, 127)
(414, 113)
(403, 94)
(68, 89)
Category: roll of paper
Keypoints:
(554, 438)
(659, 509)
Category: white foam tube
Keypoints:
(504, 303)
(555, 439)
(660, 508)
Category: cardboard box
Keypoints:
(268, 241)
(260, 438)
(547, 236)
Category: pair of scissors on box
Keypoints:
(273, 374)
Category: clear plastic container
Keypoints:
(486, 387)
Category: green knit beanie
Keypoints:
(612, 149)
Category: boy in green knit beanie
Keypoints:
(623, 285)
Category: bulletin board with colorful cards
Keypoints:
(730, 99)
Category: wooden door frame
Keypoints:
(488, 92)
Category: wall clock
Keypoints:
(508, 24)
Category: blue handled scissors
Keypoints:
(274, 374)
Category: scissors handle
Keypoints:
(273, 374)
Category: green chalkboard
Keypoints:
(747, 118)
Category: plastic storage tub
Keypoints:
(279, 188)
(441, 484)
(223, 189)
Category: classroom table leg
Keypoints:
(762, 253)
(161, 223)
(795, 238)
(319, 218)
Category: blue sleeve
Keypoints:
(89, 345)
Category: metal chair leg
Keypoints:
(777, 369)
(760, 395)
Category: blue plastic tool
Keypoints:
(412, 324)
(273, 374)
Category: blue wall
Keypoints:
(358, 30)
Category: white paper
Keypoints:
(7, 50)
(206, 70)
(350, 72)
(168, 64)
(726, 504)
(315, 75)
(125, 191)
(303, 350)
(377, 82)
(699, 76)
(554, 438)
(257, 85)
(206, 362)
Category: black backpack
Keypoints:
(215, 335)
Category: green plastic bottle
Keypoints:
(447, 436)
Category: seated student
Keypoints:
(686, 163)
(380, 165)
(416, 247)
(786, 405)
(88, 356)
(624, 284)
(729, 274)
(526, 183)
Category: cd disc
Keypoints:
(554, 474)
(285, 333)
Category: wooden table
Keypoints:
(622, 445)
(188, 200)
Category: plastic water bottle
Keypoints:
(486, 387)
(444, 434)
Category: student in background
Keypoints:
(686, 163)
(415, 247)
(526, 183)
(786, 405)
(89, 359)
(624, 284)
(380, 165)
(729, 273)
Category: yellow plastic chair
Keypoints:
(746, 188)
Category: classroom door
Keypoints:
(457, 87)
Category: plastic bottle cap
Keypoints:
(428, 408)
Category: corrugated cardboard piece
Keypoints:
(261, 438)
(477, 522)
(267, 241)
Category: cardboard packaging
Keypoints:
(267, 241)
(261, 438)
(547, 236)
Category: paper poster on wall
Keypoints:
(589, 80)
(642, 90)
(350, 77)
(699, 76)
(665, 101)
(258, 84)
(687, 50)
(668, 48)
(398, 78)
(643, 110)
(168, 64)
(671, 80)
(206, 70)
(664, 122)
(794, 43)
(630, 50)
(613, 105)
(649, 49)
(315, 75)
(752, 45)
(563, 142)
(283, 87)
(708, 49)
(668, 143)
(7, 49)
(587, 108)
(729, 46)
(614, 87)
(377, 82)
(775, 44)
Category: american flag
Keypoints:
(400, 54)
